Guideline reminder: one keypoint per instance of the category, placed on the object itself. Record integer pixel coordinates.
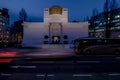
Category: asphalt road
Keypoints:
(31, 66)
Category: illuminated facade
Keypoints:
(54, 30)
(97, 25)
(4, 27)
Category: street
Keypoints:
(59, 64)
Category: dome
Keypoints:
(55, 10)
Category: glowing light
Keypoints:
(5, 60)
(7, 54)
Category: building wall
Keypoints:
(75, 30)
(55, 25)
(34, 32)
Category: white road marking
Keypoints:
(50, 75)
(88, 61)
(77, 75)
(40, 75)
(23, 66)
(43, 61)
(3, 74)
(117, 57)
(114, 74)
(14, 66)
(64, 61)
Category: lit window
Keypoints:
(96, 21)
(0, 13)
(0, 23)
(101, 24)
(112, 28)
(7, 32)
(108, 18)
(3, 23)
(100, 36)
(7, 36)
(118, 36)
(118, 16)
(116, 20)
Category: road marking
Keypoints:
(3, 74)
(76, 75)
(65, 61)
(14, 66)
(88, 61)
(50, 75)
(23, 66)
(114, 74)
(40, 75)
(117, 57)
(43, 61)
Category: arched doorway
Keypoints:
(55, 33)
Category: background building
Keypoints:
(98, 24)
(54, 30)
(17, 33)
(4, 27)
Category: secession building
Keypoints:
(54, 30)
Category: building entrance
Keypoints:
(55, 33)
(55, 39)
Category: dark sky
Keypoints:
(78, 9)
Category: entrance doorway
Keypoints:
(55, 33)
(55, 39)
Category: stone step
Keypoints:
(56, 46)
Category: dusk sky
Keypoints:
(78, 9)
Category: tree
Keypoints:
(109, 12)
(94, 18)
(94, 12)
(23, 14)
(113, 5)
(106, 18)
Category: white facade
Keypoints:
(55, 27)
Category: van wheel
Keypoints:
(117, 52)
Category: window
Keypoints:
(45, 42)
(0, 23)
(65, 42)
(3, 23)
(0, 13)
(118, 16)
(45, 37)
(65, 37)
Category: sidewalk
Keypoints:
(52, 51)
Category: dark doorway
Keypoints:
(55, 39)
